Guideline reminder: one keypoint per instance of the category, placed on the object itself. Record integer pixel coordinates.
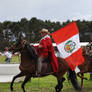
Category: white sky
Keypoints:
(54, 10)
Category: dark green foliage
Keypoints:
(31, 29)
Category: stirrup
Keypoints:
(37, 74)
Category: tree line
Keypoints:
(31, 30)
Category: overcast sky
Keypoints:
(54, 10)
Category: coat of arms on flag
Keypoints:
(68, 44)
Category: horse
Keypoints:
(28, 69)
(86, 67)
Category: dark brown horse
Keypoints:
(86, 67)
(27, 67)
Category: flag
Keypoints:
(68, 44)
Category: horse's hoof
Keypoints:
(24, 91)
(57, 89)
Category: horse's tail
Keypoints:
(73, 78)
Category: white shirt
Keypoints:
(8, 54)
(45, 37)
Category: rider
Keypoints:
(8, 55)
(46, 49)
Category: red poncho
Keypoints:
(46, 42)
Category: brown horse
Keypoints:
(86, 66)
(27, 67)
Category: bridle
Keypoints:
(19, 46)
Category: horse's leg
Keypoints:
(82, 80)
(27, 78)
(81, 76)
(73, 79)
(59, 86)
(18, 75)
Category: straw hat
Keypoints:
(45, 31)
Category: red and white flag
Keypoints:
(68, 44)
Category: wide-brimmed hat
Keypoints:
(45, 31)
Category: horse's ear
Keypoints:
(20, 37)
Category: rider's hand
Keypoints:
(40, 46)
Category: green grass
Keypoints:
(45, 84)
(14, 59)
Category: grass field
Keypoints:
(14, 59)
(45, 84)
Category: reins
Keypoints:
(20, 47)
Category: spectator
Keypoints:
(0, 53)
(8, 55)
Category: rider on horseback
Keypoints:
(45, 49)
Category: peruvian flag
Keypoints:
(68, 44)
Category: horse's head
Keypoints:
(18, 46)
